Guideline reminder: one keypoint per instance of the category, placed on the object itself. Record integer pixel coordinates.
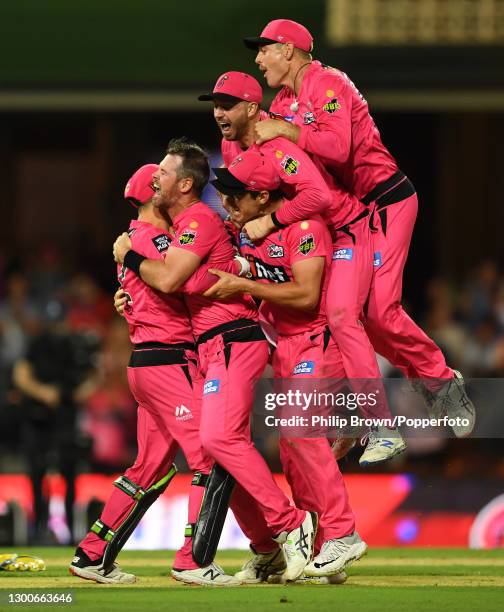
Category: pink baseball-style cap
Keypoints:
(250, 171)
(282, 31)
(140, 189)
(235, 85)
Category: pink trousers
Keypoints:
(393, 333)
(168, 418)
(231, 370)
(308, 463)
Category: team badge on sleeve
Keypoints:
(161, 242)
(306, 244)
(187, 237)
(290, 165)
(332, 106)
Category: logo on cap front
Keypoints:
(222, 80)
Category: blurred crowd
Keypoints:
(64, 399)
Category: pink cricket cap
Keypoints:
(140, 189)
(282, 31)
(236, 85)
(250, 171)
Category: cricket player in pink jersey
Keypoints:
(231, 346)
(292, 267)
(311, 189)
(163, 358)
(327, 116)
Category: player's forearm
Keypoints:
(291, 294)
(309, 202)
(158, 275)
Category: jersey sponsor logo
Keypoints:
(377, 259)
(183, 413)
(161, 242)
(343, 254)
(306, 244)
(260, 269)
(211, 386)
(332, 106)
(305, 367)
(290, 165)
(275, 250)
(308, 118)
(245, 241)
(187, 237)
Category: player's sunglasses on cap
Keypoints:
(282, 31)
(250, 171)
(235, 87)
(140, 188)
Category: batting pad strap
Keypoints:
(189, 530)
(129, 487)
(199, 479)
(102, 531)
(161, 485)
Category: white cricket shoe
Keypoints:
(211, 575)
(298, 545)
(383, 444)
(261, 566)
(83, 567)
(451, 401)
(335, 555)
(339, 578)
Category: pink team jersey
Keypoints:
(336, 127)
(152, 316)
(271, 260)
(307, 185)
(200, 230)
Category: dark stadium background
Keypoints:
(90, 90)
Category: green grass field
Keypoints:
(387, 579)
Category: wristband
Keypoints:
(244, 264)
(276, 222)
(132, 261)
